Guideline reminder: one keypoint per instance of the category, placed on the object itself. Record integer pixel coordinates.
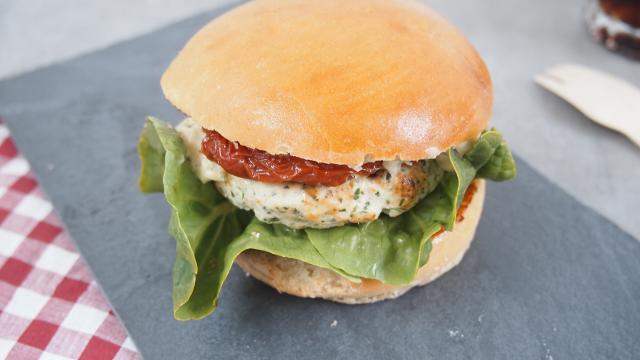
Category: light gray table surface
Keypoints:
(597, 166)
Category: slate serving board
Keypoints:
(545, 277)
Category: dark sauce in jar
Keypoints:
(616, 23)
(627, 11)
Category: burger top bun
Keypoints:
(341, 82)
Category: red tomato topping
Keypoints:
(259, 165)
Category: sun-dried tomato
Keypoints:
(259, 165)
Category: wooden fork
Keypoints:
(607, 100)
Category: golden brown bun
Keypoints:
(334, 81)
(301, 279)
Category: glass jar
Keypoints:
(616, 23)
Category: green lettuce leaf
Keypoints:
(202, 221)
(393, 249)
(210, 232)
(491, 156)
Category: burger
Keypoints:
(331, 149)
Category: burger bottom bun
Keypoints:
(304, 280)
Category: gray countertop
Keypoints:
(600, 168)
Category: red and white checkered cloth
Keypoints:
(50, 307)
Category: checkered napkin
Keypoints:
(50, 307)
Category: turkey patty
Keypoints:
(360, 199)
